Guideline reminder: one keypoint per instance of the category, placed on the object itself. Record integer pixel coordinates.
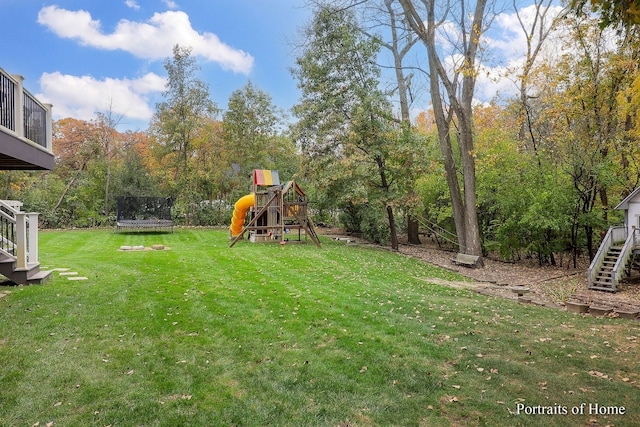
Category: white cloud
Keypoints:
(152, 40)
(132, 4)
(83, 97)
(170, 4)
(506, 49)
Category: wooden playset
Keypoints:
(277, 213)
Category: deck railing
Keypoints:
(22, 114)
(18, 234)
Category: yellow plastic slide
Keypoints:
(240, 212)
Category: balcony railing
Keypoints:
(18, 234)
(22, 114)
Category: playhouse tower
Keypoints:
(277, 212)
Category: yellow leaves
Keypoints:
(598, 374)
(449, 399)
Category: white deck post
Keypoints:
(21, 241)
(33, 237)
(49, 128)
(19, 105)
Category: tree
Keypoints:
(613, 13)
(402, 40)
(178, 120)
(251, 127)
(456, 86)
(344, 118)
(75, 145)
(132, 176)
(583, 131)
(110, 145)
(398, 39)
(536, 30)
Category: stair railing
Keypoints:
(624, 257)
(614, 234)
(18, 234)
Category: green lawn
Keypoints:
(259, 335)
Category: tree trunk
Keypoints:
(413, 230)
(66, 190)
(106, 189)
(473, 244)
(392, 228)
(403, 82)
(459, 99)
(385, 186)
(443, 124)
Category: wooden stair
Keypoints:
(604, 277)
(31, 275)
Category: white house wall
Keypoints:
(633, 214)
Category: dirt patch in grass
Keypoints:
(143, 248)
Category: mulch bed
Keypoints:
(548, 285)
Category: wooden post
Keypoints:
(282, 214)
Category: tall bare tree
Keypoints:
(402, 40)
(452, 93)
(536, 29)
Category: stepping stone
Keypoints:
(69, 273)
(600, 311)
(125, 248)
(577, 307)
(77, 278)
(60, 269)
(519, 290)
(627, 314)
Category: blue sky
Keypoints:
(95, 56)
(86, 57)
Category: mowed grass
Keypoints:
(257, 335)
